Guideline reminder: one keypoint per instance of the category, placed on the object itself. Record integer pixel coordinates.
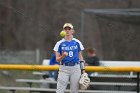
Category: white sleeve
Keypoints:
(81, 46)
(56, 46)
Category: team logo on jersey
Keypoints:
(69, 47)
(63, 45)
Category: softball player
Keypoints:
(68, 53)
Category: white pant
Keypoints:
(67, 73)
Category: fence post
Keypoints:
(138, 81)
(37, 56)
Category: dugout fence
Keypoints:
(113, 32)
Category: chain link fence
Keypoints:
(20, 57)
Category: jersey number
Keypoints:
(70, 54)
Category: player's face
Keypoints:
(68, 31)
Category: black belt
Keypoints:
(69, 64)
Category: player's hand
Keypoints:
(64, 54)
(83, 71)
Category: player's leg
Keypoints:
(74, 79)
(63, 78)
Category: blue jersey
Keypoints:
(53, 60)
(72, 47)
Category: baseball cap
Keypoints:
(68, 25)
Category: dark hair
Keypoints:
(91, 50)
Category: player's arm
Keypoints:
(81, 56)
(59, 57)
(82, 62)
